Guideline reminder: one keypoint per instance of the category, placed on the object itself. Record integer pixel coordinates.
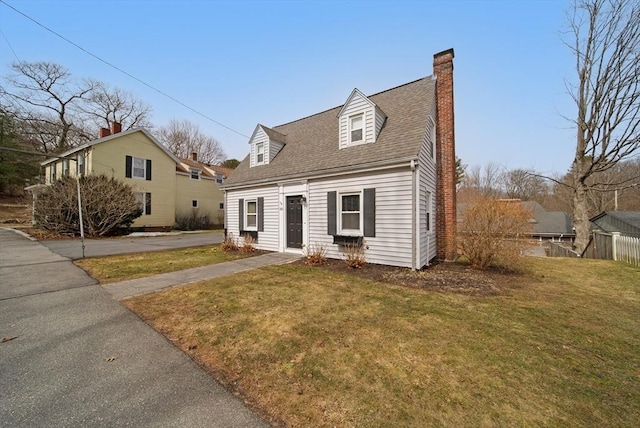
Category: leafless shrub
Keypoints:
(229, 243)
(108, 205)
(354, 255)
(248, 245)
(494, 232)
(194, 220)
(315, 254)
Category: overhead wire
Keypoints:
(123, 71)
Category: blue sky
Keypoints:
(243, 63)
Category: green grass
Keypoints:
(130, 266)
(559, 346)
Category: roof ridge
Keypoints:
(341, 105)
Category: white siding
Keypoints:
(427, 183)
(268, 239)
(392, 243)
(380, 117)
(274, 149)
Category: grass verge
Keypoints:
(137, 265)
(558, 345)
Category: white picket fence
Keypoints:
(626, 249)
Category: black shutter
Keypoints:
(369, 212)
(128, 166)
(260, 214)
(147, 207)
(240, 214)
(148, 169)
(332, 226)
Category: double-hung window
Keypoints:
(80, 162)
(355, 128)
(219, 177)
(195, 173)
(428, 211)
(52, 172)
(144, 199)
(260, 153)
(65, 167)
(350, 214)
(139, 167)
(251, 215)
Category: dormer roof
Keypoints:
(356, 92)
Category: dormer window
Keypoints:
(260, 153)
(355, 128)
(195, 173)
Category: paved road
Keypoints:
(75, 357)
(72, 248)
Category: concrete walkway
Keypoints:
(152, 284)
(71, 356)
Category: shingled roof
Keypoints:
(312, 143)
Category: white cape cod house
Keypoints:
(378, 171)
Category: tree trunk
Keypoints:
(580, 216)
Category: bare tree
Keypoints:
(606, 45)
(483, 180)
(524, 185)
(106, 104)
(183, 138)
(46, 97)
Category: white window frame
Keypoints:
(196, 172)
(194, 205)
(351, 128)
(219, 177)
(81, 167)
(247, 214)
(134, 167)
(53, 173)
(433, 138)
(259, 152)
(428, 211)
(351, 232)
(65, 167)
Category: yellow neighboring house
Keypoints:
(165, 185)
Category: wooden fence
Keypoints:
(613, 246)
(556, 249)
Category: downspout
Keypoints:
(413, 214)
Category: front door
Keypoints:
(294, 221)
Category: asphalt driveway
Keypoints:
(72, 248)
(72, 356)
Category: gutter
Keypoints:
(349, 169)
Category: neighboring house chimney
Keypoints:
(104, 132)
(116, 127)
(194, 156)
(446, 157)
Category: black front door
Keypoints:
(294, 221)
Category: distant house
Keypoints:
(377, 171)
(627, 223)
(547, 225)
(165, 185)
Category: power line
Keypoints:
(123, 71)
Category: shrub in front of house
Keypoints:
(108, 206)
(354, 255)
(193, 220)
(315, 254)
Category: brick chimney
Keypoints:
(116, 127)
(194, 156)
(446, 157)
(104, 132)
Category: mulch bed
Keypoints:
(441, 277)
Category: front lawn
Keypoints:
(137, 265)
(558, 345)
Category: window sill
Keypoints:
(347, 240)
